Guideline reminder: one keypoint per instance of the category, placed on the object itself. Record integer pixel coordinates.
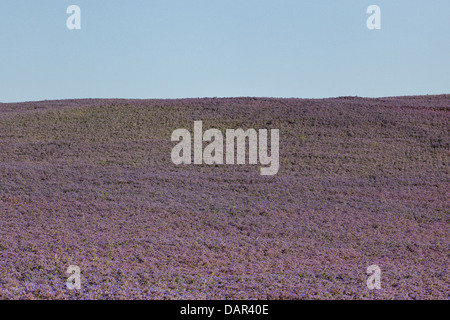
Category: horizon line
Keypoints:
(234, 97)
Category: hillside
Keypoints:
(91, 183)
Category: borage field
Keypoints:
(91, 183)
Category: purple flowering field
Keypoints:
(91, 183)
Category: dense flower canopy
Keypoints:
(91, 183)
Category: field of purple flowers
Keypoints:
(91, 183)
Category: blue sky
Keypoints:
(218, 48)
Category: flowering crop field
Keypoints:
(91, 183)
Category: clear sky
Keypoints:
(222, 48)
